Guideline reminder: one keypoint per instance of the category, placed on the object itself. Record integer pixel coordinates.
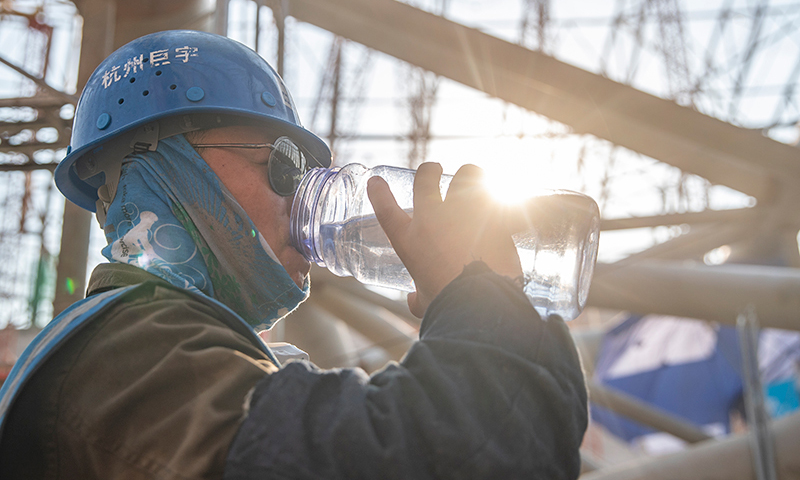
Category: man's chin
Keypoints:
(299, 278)
(297, 267)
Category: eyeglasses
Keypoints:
(286, 165)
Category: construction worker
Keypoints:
(188, 147)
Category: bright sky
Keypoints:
(523, 148)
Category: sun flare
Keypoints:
(510, 189)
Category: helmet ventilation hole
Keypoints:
(133, 79)
(173, 87)
(121, 101)
(146, 93)
(158, 73)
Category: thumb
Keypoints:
(392, 218)
(415, 305)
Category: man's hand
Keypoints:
(444, 236)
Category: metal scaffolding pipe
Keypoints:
(392, 334)
(42, 100)
(97, 43)
(588, 342)
(353, 287)
(588, 463)
(645, 414)
(323, 336)
(27, 167)
(716, 293)
(742, 159)
(690, 218)
(65, 97)
(726, 459)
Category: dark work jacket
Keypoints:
(489, 391)
(160, 387)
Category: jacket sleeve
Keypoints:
(489, 391)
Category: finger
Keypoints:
(415, 306)
(391, 217)
(499, 252)
(468, 185)
(426, 187)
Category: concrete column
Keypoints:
(99, 20)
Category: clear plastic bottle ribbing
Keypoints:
(333, 225)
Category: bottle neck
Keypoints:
(306, 211)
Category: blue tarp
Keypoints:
(691, 369)
(687, 367)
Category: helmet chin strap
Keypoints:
(108, 158)
(143, 139)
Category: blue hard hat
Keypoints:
(168, 83)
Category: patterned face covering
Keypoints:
(173, 217)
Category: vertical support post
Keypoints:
(258, 26)
(279, 8)
(760, 436)
(99, 20)
(221, 18)
(280, 22)
(335, 93)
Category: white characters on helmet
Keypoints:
(156, 58)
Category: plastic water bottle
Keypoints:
(333, 225)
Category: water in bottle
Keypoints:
(334, 225)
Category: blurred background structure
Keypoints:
(681, 119)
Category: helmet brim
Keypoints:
(84, 194)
